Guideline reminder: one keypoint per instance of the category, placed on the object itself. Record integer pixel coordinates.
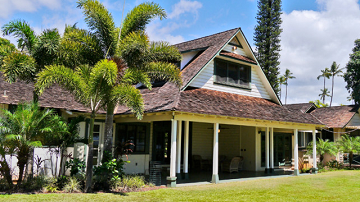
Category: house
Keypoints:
(225, 107)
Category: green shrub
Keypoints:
(73, 185)
(61, 181)
(4, 186)
(130, 183)
(37, 183)
(335, 164)
(76, 166)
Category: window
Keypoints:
(137, 134)
(232, 74)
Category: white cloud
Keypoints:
(9, 6)
(185, 6)
(312, 40)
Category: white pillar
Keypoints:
(215, 177)
(178, 148)
(296, 151)
(271, 149)
(314, 149)
(171, 180)
(267, 149)
(186, 149)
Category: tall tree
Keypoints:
(288, 75)
(324, 92)
(335, 70)
(281, 82)
(352, 75)
(267, 39)
(129, 47)
(326, 74)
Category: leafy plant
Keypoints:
(76, 166)
(36, 183)
(335, 164)
(72, 185)
(130, 183)
(348, 144)
(38, 161)
(322, 148)
(61, 181)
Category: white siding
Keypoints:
(247, 139)
(202, 140)
(206, 80)
(355, 121)
(229, 141)
(238, 50)
(186, 57)
(139, 164)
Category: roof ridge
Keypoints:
(205, 36)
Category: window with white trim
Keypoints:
(232, 74)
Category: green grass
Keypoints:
(328, 186)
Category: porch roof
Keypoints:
(303, 107)
(204, 101)
(336, 117)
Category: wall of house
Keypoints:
(229, 141)
(186, 57)
(247, 139)
(139, 164)
(206, 80)
(202, 140)
(239, 51)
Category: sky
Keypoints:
(315, 32)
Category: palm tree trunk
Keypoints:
(5, 171)
(350, 158)
(286, 94)
(109, 128)
(332, 90)
(324, 91)
(89, 165)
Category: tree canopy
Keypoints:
(352, 75)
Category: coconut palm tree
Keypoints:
(322, 148)
(287, 76)
(348, 144)
(335, 70)
(326, 74)
(281, 82)
(129, 47)
(23, 129)
(324, 92)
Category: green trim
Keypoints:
(243, 86)
(237, 59)
(147, 135)
(202, 68)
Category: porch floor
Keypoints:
(204, 177)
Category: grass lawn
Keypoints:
(329, 186)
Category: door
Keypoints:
(161, 141)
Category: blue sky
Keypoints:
(315, 32)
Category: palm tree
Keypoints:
(326, 74)
(348, 144)
(129, 47)
(89, 85)
(322, 148)
(35, 52)
(281, 82)
(324, 92)
(334, 71)
(23, 129)
(287, 76)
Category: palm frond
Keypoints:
(21, 30)
(46, 47)
(101, 22)
(164, 71)
(18, 66)
(131, 97)
(140, 16)
(133, 49)
(134, 76)
(103, 75)
(164, 52)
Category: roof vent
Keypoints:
(4, 95)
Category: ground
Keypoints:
(328, 186)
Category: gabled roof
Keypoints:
(211, 44)
(335, 117)
(303, 107)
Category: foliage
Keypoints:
(36, 183)
(76, 166)
(326, 74)
(324, 93)
(73, 185)
(109, 171)
(4, 185)
(5, 49)
(129, 183)
(61, 181)
(288, 75)
(322, 148)
(319, 104)
(334, 71)
(352, 75)
(267, 39)
(23, 129)
(349, 144)
(281, 81)
(38, 161)
(335, 164)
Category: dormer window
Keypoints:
(232, 74)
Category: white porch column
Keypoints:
(186, 149)
(267, 150)
(271, 149)
(296, 151)
(314, 151)
(178, 149)
(215, 176)
(171, 180)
